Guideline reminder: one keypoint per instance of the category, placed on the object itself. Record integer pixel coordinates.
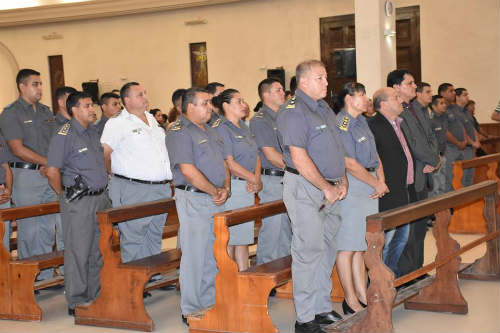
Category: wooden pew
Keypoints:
(440, 293)
(120, 303)
(17, 276)
(467, 219)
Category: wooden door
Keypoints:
(56, 77)
(336, 34)
(408, 40)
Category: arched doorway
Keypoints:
(8, 71)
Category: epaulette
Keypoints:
(65, 129)
(216, 123)
(176, 126)
(343, 124)
(259, 114)
(291, 104)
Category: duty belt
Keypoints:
(238, 178)
(149, 182)
(24, 165)
(295, 171)
(189, 188)
(273, 172)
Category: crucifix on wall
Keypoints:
(199, 65)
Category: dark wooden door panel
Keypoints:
(408, 40)
(56, 70)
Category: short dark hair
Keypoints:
(62, 91)
(293, 85)
(396, 77)
(258, 106)
(124, 91)
(435, 99)
(74, 100)
(212, 87)
(224, 97)
(421, 86)
(178, 94)
(106, 96)
(459, 91)
(443, 86)
(24, 74)
(350, 88)
(154, 111)
(189, 97)
(265, 85)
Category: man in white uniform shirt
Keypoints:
(137, 157)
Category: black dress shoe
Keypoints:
(327, 318)
(272, 293)
(71, 312)
(346, 308)
(309, 327)
(185, 320)
(146, 294)
(37, 292)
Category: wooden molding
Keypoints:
(95, 9)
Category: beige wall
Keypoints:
(459, 40)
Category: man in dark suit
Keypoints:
(398, 167)
(423, 146)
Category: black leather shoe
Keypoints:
(37, 292)
(71, 312)
(146, 294)
(185, 320)
(309, 327)
(327, 318)
(346, 308)
(272, 293)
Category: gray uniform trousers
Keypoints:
(196, 232)
(275, 234)
(35, 234)
(139, 238)
(6, 230)
(453, 154)
(439, 180)
(314, 246)
(82, 258)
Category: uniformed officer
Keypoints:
(28, 125)
(77, 173)
(214, 89)
(240, 153)
(275, 234)
(366, 184)
(313, 183)
(134, 148)
(62, 115)
(110, 107)
(5, 188)
(439, 125)
(202, 186)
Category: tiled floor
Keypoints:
(483, 299)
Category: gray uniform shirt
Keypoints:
(189, 144)
(5, 157)
(309, 124)
(78, 151)
(467, 121)
(35, 129)
(238, 142)
(99, 125)
(455, 124)
(264, 127)
(439, 125)
(358, 140)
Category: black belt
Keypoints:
(370, 169)
(333, 182)
(189, 188)
(273, 172)
(149, 182)
(24, 165)
(238, 178)
(96, 192)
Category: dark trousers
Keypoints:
(412, 257)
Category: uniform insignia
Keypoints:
(361, 139)
(82, 150)
(216, 123)
(202, 141)
(176, 126)
(343, 124)
(137, 130)
(438, 129)
(291, 104)
(320, 127)
(238, 136)
(28, 121)
(49, 120)
(65, 129)
(275, 128)
(259, 114)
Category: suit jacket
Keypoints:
(421, 141)
(393, 160)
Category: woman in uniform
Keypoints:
(366, 185)
(241, 154)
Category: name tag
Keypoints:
(438, 129)
(81, 150)
(28, 121)
(361, 139)
(238, 136)
(275, 128)
(321, 127)
(202, 141)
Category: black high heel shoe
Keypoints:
(346, 308)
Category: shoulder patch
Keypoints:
(343, 124)
(65, 129)
(216, 123)
(176, 126)
(291, 104)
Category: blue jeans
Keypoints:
(395, 242)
